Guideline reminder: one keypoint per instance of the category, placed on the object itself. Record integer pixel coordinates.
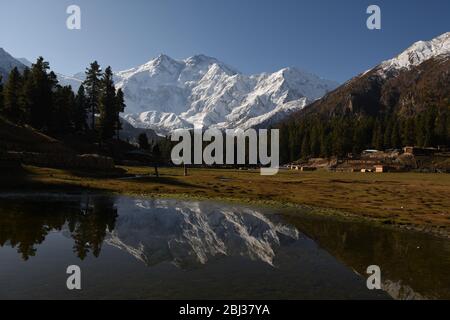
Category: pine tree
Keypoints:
(11, 103)
(80, 110)
(306, 143)
(93, 85)
(388, 135)
(120, 107)
(143, 141)
(26, 95)
(395, 134)
(62, 115)
(1, 95)
(284, 143)
(315, 138)
(377, 136)
(408, 132)
(107, 106)
(41, 87)
(156, 154)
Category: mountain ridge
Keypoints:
(377, 87)
(201, 91)
(404, 101)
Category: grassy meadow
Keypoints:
(412, 200)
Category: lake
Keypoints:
(133, 248)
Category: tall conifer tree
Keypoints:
(93, 84)
(11, 92)
(80, 110)
(107, 106)
(120, 107)
(1, 94)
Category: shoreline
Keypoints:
(286, 192)
(283, 209)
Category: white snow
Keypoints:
(166, 94)
(418, 53)
(192, 234)
(72, 81)
(7, 63)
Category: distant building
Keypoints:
(380, 168)
(416, 151)
(370, 151)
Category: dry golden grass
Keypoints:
(411, 199)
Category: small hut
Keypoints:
(380, 168)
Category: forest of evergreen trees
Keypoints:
(34, 97)
(315, 135)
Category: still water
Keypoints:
(131, 248)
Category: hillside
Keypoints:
(25, 138)
(407, 93)
(24, 144)
(402, 101)
(7, 63)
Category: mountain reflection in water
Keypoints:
(220, 250)
(191, 233)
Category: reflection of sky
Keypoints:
(171, 248)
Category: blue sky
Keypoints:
(327, 37)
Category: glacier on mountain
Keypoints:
(200, 92)
(419, 52)
(165, 94)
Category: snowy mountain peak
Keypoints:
(26, 62)
(200, 58)
(7, 63)
(165, 94)
(200, 91)
(419, 52)
(163, 61)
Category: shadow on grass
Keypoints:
(166, 181)
(19, 179)
(101, 174)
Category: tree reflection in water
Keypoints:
(24, 225)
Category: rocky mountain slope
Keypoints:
(7, 63)
(407, 84)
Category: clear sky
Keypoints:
(326, 37)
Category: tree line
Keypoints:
(317, 135)
(34, 97)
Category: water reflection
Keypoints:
(192, 233)
(231, 244)
(26, 224)
(414, 265)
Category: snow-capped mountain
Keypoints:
(74, 81)
(189, 234)
(166, 94)
(418, 53)
(397, 84)
(7, 63)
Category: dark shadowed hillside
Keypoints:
(402, 101)
(406, 92)
(25, 138)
